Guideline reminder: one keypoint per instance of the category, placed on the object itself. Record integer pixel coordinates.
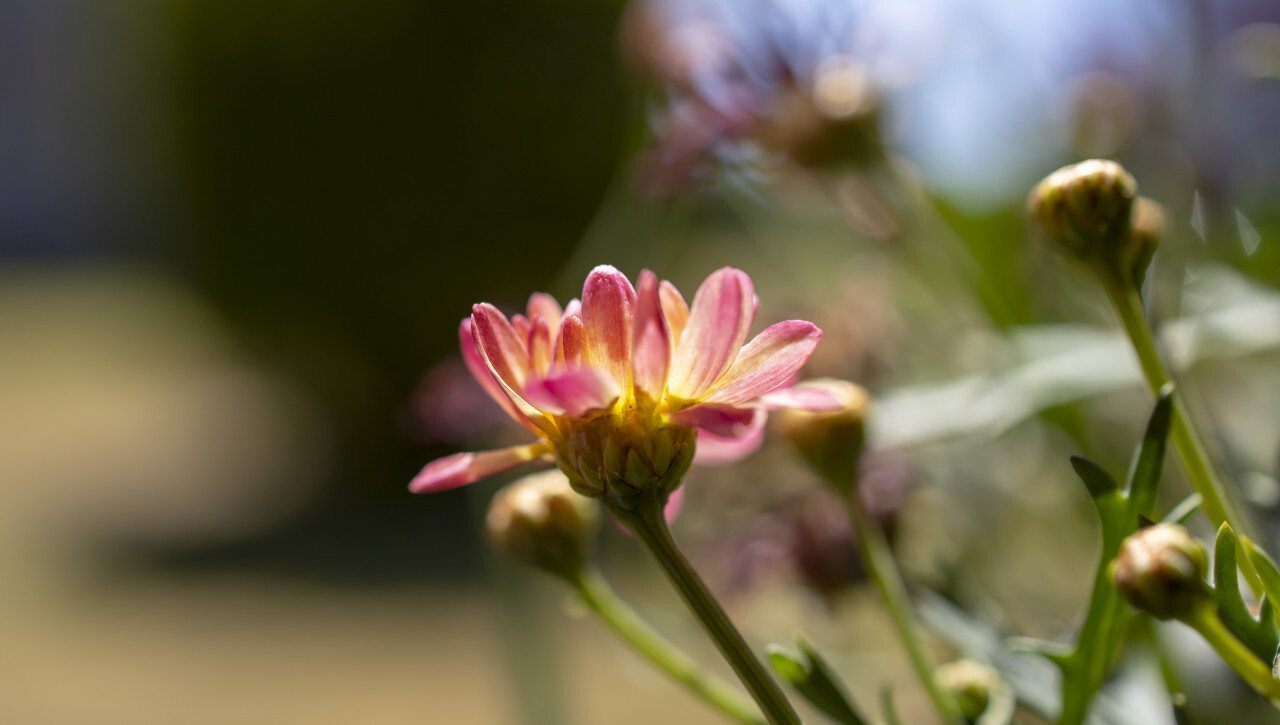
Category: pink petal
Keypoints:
(540, 346)
(718, 325)
(802, 397)
(571, 343)
(505, 358)
(544, 306)
(674, 309)
(608, 305)
(675, 504)
(714, 449)
(520, 325)
(651, 359)
(722, 420)
(460, 469)
(480, 371)
(575, 392)
(766, 362)
(500, 345)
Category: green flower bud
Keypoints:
(623, 461)
(1160, 570)
(831, 442)
(972, 684)
(1084, 209)
(540, 521)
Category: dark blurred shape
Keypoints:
(810, 537)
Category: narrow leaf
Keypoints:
(1144, 471)
(1183, 512)
(1097, 480)
(813, 678)
(1260, 636)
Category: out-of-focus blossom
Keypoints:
(618, 386)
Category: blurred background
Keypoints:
(236, 240)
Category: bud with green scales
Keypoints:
(541, 522)
(831, 442)
(624, 461)
(972, 684)
(1160, 570)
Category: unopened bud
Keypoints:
(1160, 571)
(540, 521)
(831, 442)
(1084, 209)
(1144, 237)
(972, 684)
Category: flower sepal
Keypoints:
(622, 461)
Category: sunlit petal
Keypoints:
(651, 359)
(500, 345)
(484, 375)
(608, 305)
(718, 325)
(674, 309)
(460, 469)
(544, 306)
(802, 397)
(571, 343)
(574, 392)
(766, 362)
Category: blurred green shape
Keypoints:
(813, 678)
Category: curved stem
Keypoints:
(649, 526)
(884, 571)
(1218, 505)
(1205, 621)
(600, 597)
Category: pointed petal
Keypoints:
(651, 359)
(504, 356)
(802, 397)
(500, 345)
(608, 306)
(544, 306)
(483, 375)
(575, 392)
(674, 309)
(722, 420)
(766, 362)
(718, 325)
(714, 449)
(540, 346)
(571, 343)
(460, 469)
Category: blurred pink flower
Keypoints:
(618, 385)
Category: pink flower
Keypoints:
(619, 386)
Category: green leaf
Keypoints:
(813, 678)
(1098, 481)
(1266, 568)
(1259, 635)
(1183, 512)
(1148, 460)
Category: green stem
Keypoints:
(884, 571)
(649, 526)
(1205, 621)
(1217, 504)
(600, 597)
